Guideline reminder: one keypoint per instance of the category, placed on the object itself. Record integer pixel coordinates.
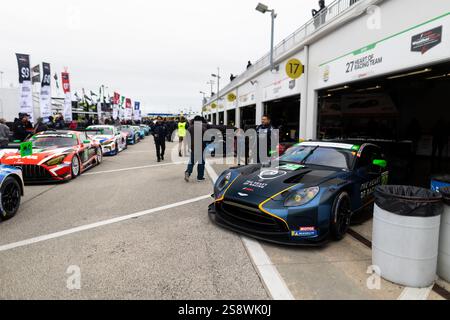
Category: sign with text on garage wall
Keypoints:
(426, 43)
(281, 88)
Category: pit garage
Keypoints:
(406, 113)
(285, 115)
(214, 118)
(248, 117)
(221, 117)
(231, 118)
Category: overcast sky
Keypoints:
(158, 52)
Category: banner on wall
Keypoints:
(45, 100)
(128, 109)
(115, 108)
(25, 85)
(67, 96)
(137, 111)
(419, 45)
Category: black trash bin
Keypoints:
(406, 234)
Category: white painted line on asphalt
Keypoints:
(98, 224)
(271, 278)
(415, 293)
(134, 168)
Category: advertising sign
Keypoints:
(45, 100)
(419, 45)
(25, 86)
(67, 96)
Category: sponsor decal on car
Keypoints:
(291, 167)
(305, 232)
(254, 184)
(271, 174)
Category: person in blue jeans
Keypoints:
(197, 149)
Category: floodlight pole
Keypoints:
(272, 38)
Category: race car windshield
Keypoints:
(319, 156)
(103, 131)
(52, 141)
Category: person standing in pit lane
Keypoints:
(4, 133)
(159, 133)
(182, 131)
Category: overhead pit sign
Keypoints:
(392, 54)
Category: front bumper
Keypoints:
(35, 174)
(274, 233)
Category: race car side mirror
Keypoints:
(380, 163)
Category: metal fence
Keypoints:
(318, 22)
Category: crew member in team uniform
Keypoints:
(264, 132)
(159, 133)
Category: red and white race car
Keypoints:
(56, 156)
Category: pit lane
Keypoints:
(174, 253)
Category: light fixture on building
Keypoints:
(410, 74)
(369, 89)
(339, 89)
(439, 77)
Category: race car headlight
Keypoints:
(301, 197)
(55, 161)
(107, 142)
(223, 181)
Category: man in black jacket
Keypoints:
(159, 133)
(20, 127)
(197, 146)
(264, 132)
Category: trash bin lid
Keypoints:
(442, 178)
(409, 201)
(445, 194)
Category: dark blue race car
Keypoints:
(307, 199)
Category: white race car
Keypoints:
(110, 138)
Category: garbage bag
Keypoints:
(409, 201)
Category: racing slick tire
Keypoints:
(99, 154)
(341, 216)
(116, 151)
(75, 167)
(10, 198)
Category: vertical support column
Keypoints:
(238, 117)
(259, 110)
(304, 97)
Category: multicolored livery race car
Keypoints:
(112, 140)
(140, 131)
(133, 136)
(11, 191)
(56, 156)
(307, 199)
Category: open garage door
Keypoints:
(231, 117)
(248, 117)
(221, 117)
(406, 113)
(285, 114)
